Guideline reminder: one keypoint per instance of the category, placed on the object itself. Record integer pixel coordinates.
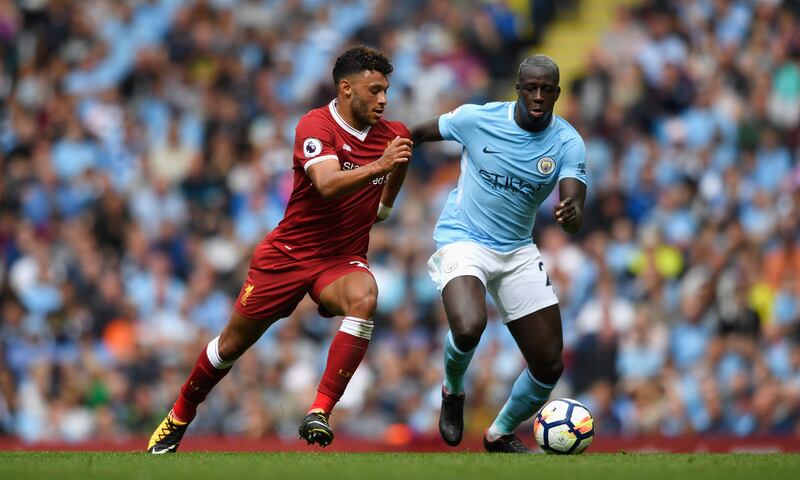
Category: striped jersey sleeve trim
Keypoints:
(319, 159)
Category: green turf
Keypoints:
(387, 466)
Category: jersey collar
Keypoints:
(359, 134)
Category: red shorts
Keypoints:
(276, 282)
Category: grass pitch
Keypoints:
(389, 466)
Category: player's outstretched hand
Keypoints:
(398, 151)
(566, 213)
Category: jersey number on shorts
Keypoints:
(541, 269)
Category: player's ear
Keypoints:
(558, 93)
(345, 87)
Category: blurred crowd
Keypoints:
(145, 148)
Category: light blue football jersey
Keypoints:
(506, 173)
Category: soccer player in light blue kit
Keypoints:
(514, 154)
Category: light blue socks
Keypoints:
(527, 396)
(455, 364)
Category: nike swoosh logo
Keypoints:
(486, 150)
(165, 450)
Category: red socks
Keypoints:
(345, 354)
(207, 372)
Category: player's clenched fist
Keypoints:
(566, 213)
(398, 151)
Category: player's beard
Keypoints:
(360, 110)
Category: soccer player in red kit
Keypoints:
(344, 154)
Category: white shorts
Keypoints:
(517, 280)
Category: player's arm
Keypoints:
(458, 125)
(331, 181)
(392, 187)
(390, 191)
(569, 210)
(572, 187)
(427, 131)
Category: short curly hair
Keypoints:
(358, 59)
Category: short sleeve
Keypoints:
(400, 129)
(404, 131)
(313, 142)
(573, 164)
(459, 124)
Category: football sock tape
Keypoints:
(357, 327)
(212, 351)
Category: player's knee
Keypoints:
(548, 372)
(362, 305)
(231, 347)
(467, 331)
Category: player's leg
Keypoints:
(213, 363)
(538, 336)
(459, 270)
(465, 308)
(530, 310)
(275, 285)
(216, 360)
(354, 295)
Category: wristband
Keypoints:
(383, 211)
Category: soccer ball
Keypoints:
(563, 426)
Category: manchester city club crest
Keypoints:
(450, 266)
(545, 165)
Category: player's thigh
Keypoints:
(346, 289)
(539, 337)
(524, 286)
(464, 300)
(461, 259)
(271, 292)
(460, 271)
(268, 294)
(241, 333)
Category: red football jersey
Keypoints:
(313, 227)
